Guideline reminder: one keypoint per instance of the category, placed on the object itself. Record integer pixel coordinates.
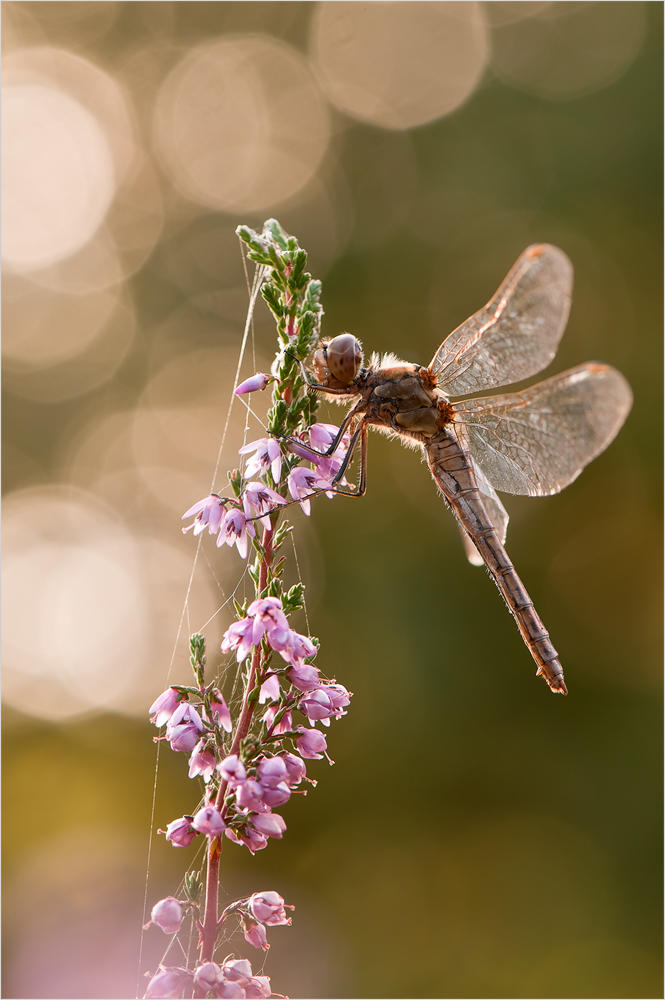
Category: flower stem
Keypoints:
(209, 927)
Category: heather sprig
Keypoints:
(250, 765)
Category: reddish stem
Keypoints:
(209, 927)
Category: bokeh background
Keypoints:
(477, 836)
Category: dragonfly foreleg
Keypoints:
(360, 432)
(346, 423)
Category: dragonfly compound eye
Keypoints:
(344, 356)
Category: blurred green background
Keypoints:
(477, 836)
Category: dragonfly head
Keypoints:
(340, 359)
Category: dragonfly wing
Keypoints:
(496, 512)
(538, 441)
(517, 333)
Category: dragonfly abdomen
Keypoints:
(453, 473)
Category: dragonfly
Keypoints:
(531, 443)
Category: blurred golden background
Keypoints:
(477, 836)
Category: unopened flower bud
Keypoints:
(254, 383)
(168, 914)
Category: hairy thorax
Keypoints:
(404, 399)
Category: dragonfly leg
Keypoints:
(348, 420)
(360, 432)
(316, 385)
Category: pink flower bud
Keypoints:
(209, 821)
(168, 983)
(168, 914)
(268, 908)
(207, 976)
(269, 824)
(255, 934)
(255, 383)
(180, 832)
(311, 743)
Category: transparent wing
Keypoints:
(517, 333)
(496, 512)
(538, 441)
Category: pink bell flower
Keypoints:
(251, 838)
(258, 988)
(268, 908)
(271, 771)
(207, 976)
(269, 824)
(184, 728)
(234, 531)
(249, 795)
(267, 454)
(311, 743)
(276, 795)
(168, 914)
(230, 991)
(270, 689)
(208, 512)
(304, 483)
(255, 934)
(232, 770)
(285, 724)
(304, 677)
(237, 970)
(202, 762)
(168, 983)
(220, 711)
(295, 767)
(163, 708)
(260, 499)
(208, 821)
(316, 705)
(180, 832)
